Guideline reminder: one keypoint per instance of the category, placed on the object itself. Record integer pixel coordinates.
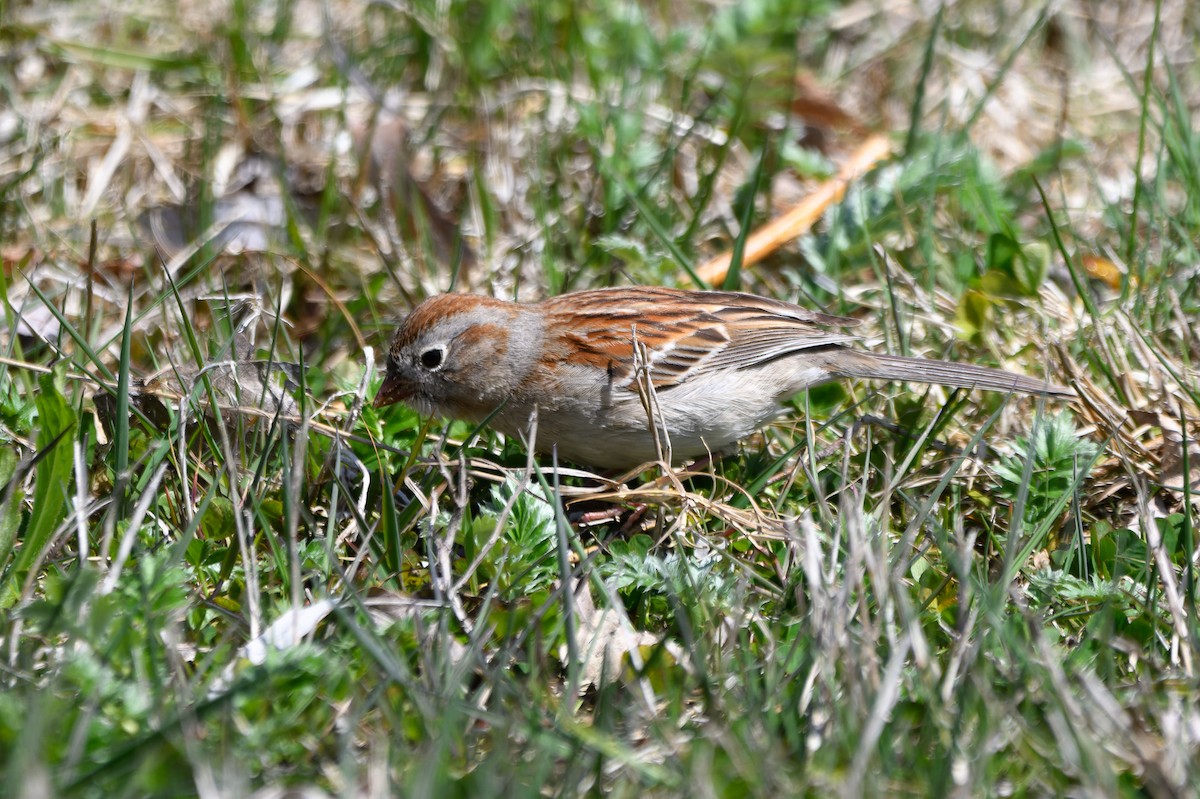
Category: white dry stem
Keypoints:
(81, 499)
(149, 496)
(360, 504)
(299, 452)
(442, 574)
(242, 528)
(1181, 643)
(189, 497)
(963, 654)
(885, 701)
(359, 394)
(646, 393)
(502, 518)
(811, 564)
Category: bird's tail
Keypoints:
(945, 373)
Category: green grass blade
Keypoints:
(56, 429)
(733, 278)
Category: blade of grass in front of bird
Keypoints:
(918, 103)
(733, 277)
(566, 579)
(121, 420)
(1143, 124)
(56, 427)
(389, 525)
(1081, 288)
(10, 501)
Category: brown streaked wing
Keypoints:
(759, 334)
(733, 301)
(685, 332)
(634, 302)
(598, 329)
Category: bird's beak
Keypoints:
(392, 391)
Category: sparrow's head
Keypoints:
(460, 356)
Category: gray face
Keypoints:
(433, 367)
(460, 359)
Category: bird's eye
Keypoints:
(432, 358)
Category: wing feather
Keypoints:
(683, 333)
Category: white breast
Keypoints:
(707, 413)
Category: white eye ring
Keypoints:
(433, 358)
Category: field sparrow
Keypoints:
(713, 367)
